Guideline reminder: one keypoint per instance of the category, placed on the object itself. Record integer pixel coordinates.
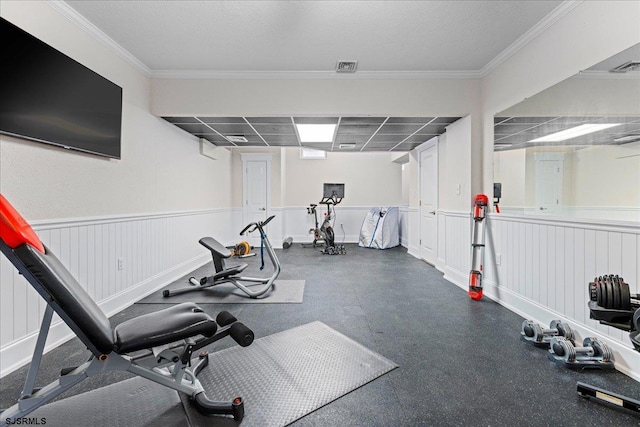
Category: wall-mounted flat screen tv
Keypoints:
(46, 96)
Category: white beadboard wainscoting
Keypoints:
(347, 223)
(155, 250)
(546, 265)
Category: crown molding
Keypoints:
(313, 75)
(71, 14)
(554, 16)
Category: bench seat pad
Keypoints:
(163, 327)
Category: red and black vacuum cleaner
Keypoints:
(480, 204)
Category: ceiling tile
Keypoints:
(275, 129)
(268, 120)
(233, 129)
(195, 128)
(409, 120)
(281, 139)
(181, 119)
(388, 138)
(222, 120)
(362, 120)
(398, 129)
(347, 139)
(357, 129)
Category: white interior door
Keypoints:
(256, 194)
(429, 203)
(548, 185)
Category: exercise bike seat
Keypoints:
(215, 247)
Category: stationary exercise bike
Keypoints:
(332, 196)
(224, 274)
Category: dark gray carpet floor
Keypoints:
(462, 362)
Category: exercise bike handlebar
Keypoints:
(256, 225)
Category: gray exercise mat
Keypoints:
(283, 291)
(133, 402)
(285, 376)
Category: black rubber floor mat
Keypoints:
(134, 402)
(285, 376)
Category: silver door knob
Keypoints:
(262, 209)
(432, 212)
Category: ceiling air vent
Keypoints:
(347, 146)
(627, 66)
(236, 138)
(346, 66)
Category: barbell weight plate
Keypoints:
(615, 290)
(625, 296)
(600, 293)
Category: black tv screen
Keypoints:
(46, 96)
(333, 190)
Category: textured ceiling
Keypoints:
(512, 133)
(267, 36)
(367, 133)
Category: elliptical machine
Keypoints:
(332, 196)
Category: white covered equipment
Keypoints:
(380, 228)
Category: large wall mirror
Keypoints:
(573, 150)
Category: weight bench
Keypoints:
(158, 346)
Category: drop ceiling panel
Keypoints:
(270, 120)
(388, 138)
(175, 120)
(348, 139)
(410, 120)
(518, 132)
(281, 139)
(275, 129)
(368, 133)
(398, 129)
(357, 129)
(222, 120)
(233, 129)
(362, 120)
(195, 128)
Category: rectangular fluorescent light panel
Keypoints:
(316, 133)
(575, 132)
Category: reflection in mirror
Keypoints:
(573, 150)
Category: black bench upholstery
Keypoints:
(163, 327)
